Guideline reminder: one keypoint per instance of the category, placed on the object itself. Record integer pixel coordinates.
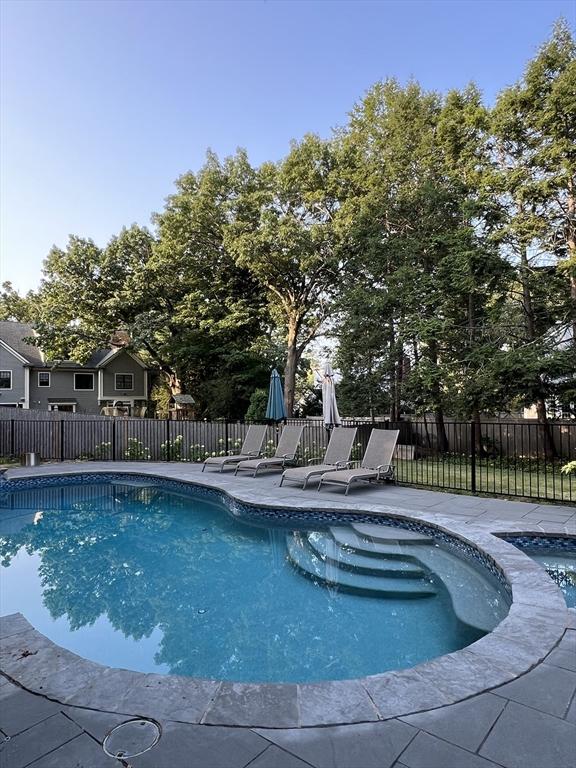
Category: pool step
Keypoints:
(475, 602)
(329, 551)
(312, 566)
(386, 534)
(353, 542)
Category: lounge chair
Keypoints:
(285, 452)
(376, 464)
(251, 448)
(336, 457)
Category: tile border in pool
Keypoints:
(537, 619)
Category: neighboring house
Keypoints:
(110, 377)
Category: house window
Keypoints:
(123, 381)
(44, 379)
(84, 381)
(5, 379)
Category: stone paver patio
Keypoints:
(529, 721)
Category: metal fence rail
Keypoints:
(501, 458)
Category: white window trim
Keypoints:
(7, 370)
(45, 386)
(123, 389)
(83, 389)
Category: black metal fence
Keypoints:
(502, 457)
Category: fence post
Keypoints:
(167, 439)
(226, 437)
(61, 439)
(12, 443)
(113, 438)
(473, 456)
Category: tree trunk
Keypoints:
(545, 431)
(571, 243)
(291, 365)
(478, 433)
(543, 424)
(441, 436)
(174, 383)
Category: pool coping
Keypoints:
(534, 625)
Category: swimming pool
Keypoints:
(136, 573)
(557, 555)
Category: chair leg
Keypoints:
(203, 467)
(281, 481)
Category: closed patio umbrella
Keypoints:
(275, 410)
(329, 406)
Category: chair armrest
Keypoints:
(317, 460)
(341, 463)
(288, 456)
(256, 454)
(351, 464)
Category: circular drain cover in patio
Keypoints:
(131, 738)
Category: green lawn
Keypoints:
(490, 478)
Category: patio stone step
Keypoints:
(347, 581)
(329, 551)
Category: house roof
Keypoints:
(96, 358)
(182, 399)
(12, 334)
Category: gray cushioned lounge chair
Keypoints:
(336, 457)
(376, 464)
(285, 452)
(251, 448)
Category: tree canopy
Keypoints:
(431, 238)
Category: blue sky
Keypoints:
(104, 104)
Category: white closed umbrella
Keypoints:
(329, 406)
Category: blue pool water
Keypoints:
(145, 578)
(557, 556)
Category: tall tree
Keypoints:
(283, 232)
(535, 135)
(16, 307)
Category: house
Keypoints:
(111, 377)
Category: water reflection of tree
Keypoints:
(140, 565)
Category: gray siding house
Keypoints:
(111, 377)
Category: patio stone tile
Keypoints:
(13, 625)
(464, 724)
(38, 741)
(335, 702)
(97, 724)
(183, 745)
(274, 757)
(572, 618)
(254, 705)
(21, 710)
(169, 697)
(571, 714)
(430, 752)
(546, 688)
(525, 738)
(568, 642)
(461, 674)
(81, 752)
(370, 745)
(403, 693)
(98, 689)
(563, 659)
